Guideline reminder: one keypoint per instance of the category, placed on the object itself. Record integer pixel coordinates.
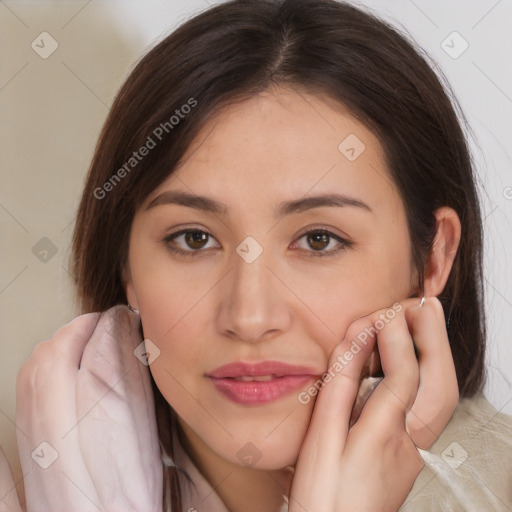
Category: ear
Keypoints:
(444, 250)
(129, 289)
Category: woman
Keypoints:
(283, 196)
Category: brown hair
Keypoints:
(240, 48)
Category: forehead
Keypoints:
(284, 143)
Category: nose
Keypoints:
(254, 301)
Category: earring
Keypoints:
(131, 308)
(422, 301)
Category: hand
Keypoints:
(371, 466)
(86, 394)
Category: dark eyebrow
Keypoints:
(191, 200)
(306, 203)
(285, 208)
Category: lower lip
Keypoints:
(259, 392)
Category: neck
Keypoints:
(242, 489)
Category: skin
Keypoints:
(288, 305)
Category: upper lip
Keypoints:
(262, 368)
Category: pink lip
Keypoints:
(285, 379)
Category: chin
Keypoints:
(265, 453)
(268, 463)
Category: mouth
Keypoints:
(257, 378)
(259, 383)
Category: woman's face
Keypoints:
(246, 283)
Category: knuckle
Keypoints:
(29, 375)
(39, 367)
(356, 327)
(434, 306)
(40, 350)
(372, 324)
(393, 326)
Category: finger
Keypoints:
(342, 380)
(322, 450)
(438, 390)
(9, 501)
(350, 358)
(393, 397)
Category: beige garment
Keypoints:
(469, 468)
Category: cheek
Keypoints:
(168, 294)
(179, 369)
(174, 318)
(330, 299)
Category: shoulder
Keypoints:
(469, 467)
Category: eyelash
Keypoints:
(344, 244)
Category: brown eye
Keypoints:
(189, 241)
(318, 241)
(196, 239)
